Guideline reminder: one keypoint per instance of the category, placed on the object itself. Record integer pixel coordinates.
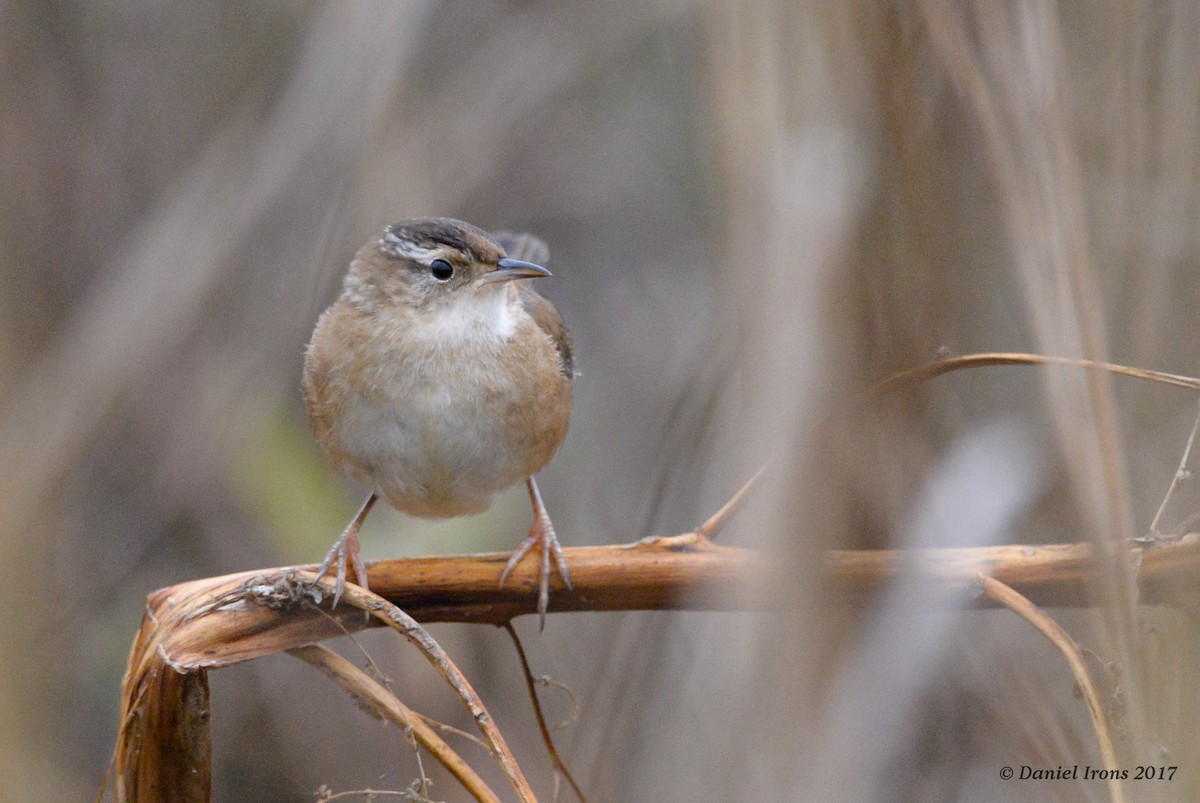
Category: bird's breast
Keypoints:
(440, 415)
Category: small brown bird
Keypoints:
(438, 379)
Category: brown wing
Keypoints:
(546, 316)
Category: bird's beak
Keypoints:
(509, 269)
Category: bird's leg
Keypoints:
(541, 535)
(346, 548)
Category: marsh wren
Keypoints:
(439, 378)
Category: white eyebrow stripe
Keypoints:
(395, 245)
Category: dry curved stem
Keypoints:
(366, 794)
(372, 693)
(419, 637)
(936, 368)
(1006, 596)
(450, 729)
(1177, 477)
(530, 684)
(163, 750)
(573, 716)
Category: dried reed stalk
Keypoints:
(163, 750)
(1000, 593)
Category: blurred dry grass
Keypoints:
(755, 210)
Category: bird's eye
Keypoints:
(441, 270)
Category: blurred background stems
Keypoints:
(755, 210)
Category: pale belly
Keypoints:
(439, 442)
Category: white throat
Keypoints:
(473, 317)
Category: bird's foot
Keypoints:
(542, 536)
(344, 551)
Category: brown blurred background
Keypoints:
(755, 211)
